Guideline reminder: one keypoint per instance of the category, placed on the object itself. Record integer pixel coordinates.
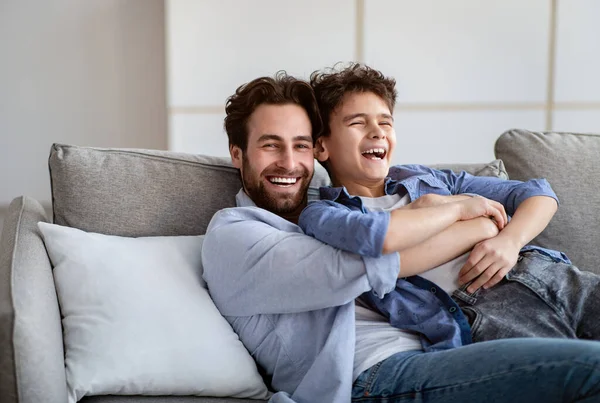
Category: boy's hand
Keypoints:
(479, 206)
(489, 262)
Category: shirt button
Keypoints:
(433, 290)
(452, 309)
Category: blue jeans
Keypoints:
(509, 371)
(539, 297)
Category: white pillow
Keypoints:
(137, 320)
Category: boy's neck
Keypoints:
(364, 190)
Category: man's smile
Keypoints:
(283, 181)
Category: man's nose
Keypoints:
(286, 160)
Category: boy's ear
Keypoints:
(320, 150)
(236, 156)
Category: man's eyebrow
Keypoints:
(364, 115)
(303, 138)
(267, 137)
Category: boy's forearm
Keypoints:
(408, 228)
(530, 219)
(452, 242)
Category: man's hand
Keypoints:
(489, 262)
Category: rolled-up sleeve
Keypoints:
(511, 193)
(343, 228)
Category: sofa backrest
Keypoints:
(130, 192)
(133, 192)
(569, 161)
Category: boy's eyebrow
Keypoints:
(267, 137)
(354, 116)
(364, 115)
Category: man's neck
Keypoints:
(292, 217)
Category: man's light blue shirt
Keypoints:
(290, 298)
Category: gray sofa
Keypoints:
(146, 193)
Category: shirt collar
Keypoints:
(336, 193)
(243, 200)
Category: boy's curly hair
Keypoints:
(331, 85)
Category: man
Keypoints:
(291, 298)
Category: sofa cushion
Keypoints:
(164, 399)
(494, 168)
(569, 161)
(179, 343)
(32, 367)
(141, 192)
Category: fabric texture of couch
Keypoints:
(569, 162)
(147, 193)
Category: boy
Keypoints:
(356, 146)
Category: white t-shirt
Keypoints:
(376, 339)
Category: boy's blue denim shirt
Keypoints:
(342, 221)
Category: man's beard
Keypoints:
(278, 203)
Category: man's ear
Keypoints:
(320, 150)
(236, 156)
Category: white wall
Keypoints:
(467, 70)
(81, 72)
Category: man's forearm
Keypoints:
(452, 242)
(256, 263)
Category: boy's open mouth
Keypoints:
(374, 153)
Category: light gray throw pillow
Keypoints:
(137, 319)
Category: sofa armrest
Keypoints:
(32, 367)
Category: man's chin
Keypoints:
(285, 205)
(281, 200)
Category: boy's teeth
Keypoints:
(374, 150)
(374, 153)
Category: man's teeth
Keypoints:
(286, 181)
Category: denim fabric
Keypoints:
(342, 221)
(501, 371)
(345, 228)
(420, 306)
(539, 297)
(417, 180)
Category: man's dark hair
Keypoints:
(281, 89)
(331, 85)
